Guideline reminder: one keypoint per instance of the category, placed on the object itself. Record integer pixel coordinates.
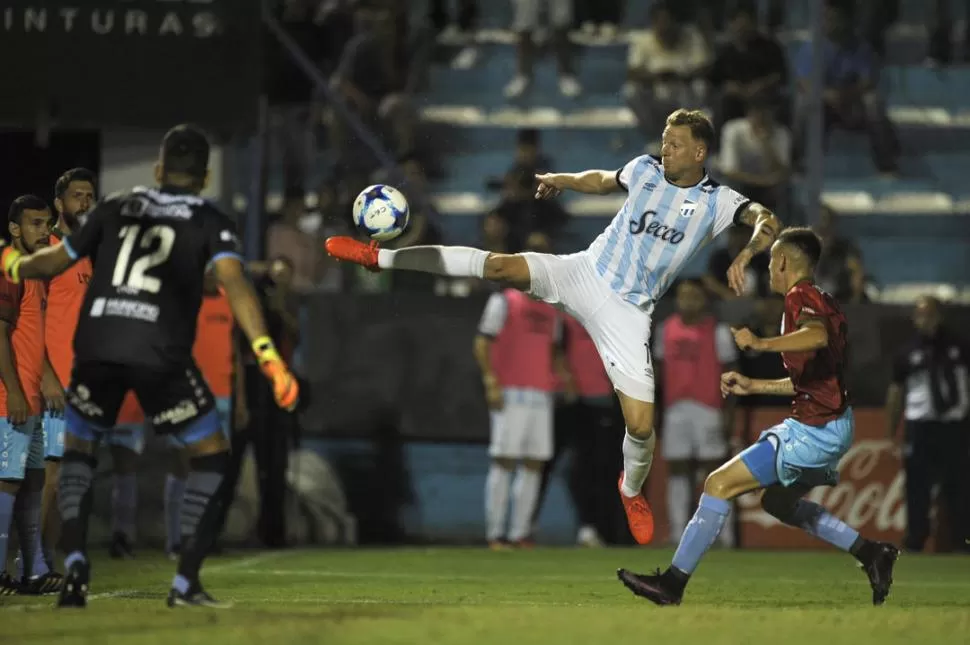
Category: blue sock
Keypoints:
(815, 520)
(700, 533)
(74, 556)
(27, 519)
(6, 525)
(181, 584)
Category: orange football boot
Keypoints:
(638, 515)
(351, 250)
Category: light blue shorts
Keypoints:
(54, 425)
(21, 447)
(810, 454)
(132, 435)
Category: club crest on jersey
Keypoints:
(687, 209)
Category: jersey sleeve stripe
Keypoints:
(226, 254)
(619, 182)
(70, 249)
(741, 208)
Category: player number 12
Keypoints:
(137, 278)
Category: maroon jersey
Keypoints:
(818, 376)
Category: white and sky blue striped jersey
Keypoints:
(660, 227)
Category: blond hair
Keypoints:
(700, 126)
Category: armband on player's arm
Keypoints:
(45, 263)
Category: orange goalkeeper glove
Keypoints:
(286, 391)
(10, 260)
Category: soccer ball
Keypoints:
(381, 211)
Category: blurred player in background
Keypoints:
(672, 210)
(75, 193)
(136, 333)
(515, 348)
(692, 350)
(798, 454)
(21, 404)
(595, 429)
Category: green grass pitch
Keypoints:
(475, 596)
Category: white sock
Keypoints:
(525, 495)
(496, 501)
(457, 261)
(678, 498)
(637, 459)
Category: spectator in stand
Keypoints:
(373, 78)
(931, 390)
(421, 229)
(840, 270)
(850, 94)
(600, 17)
(756, 275)
(287, 238)
(525, 22)
(749, 63)
(666, 66)
(523, 213)
(756, 153)
(528, 157)
(461, 28)
(941, 23)
(320, 30)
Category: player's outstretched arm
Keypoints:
(45, 263)
(249, 317)
(766, 229)
(593, 182)
(810, 336)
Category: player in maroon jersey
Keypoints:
(798, 454)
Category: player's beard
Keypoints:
(36, 246)
(74, 220)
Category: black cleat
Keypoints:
(879, 568)
(195, 597)
(8, 586)
(45, 585)
(121, 547)
(74, 590)
(656, 588)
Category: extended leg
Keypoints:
(638, 447)
(727, 482)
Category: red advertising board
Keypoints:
(870, 495)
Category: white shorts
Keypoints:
(522, 429)
(693, 430)
(620, 329)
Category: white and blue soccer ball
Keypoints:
(382, 212)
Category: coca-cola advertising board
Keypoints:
(870, 495)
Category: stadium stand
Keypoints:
(913, 231)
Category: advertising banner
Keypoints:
(870, 495)
(130, 63)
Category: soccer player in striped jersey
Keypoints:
(672, 210)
